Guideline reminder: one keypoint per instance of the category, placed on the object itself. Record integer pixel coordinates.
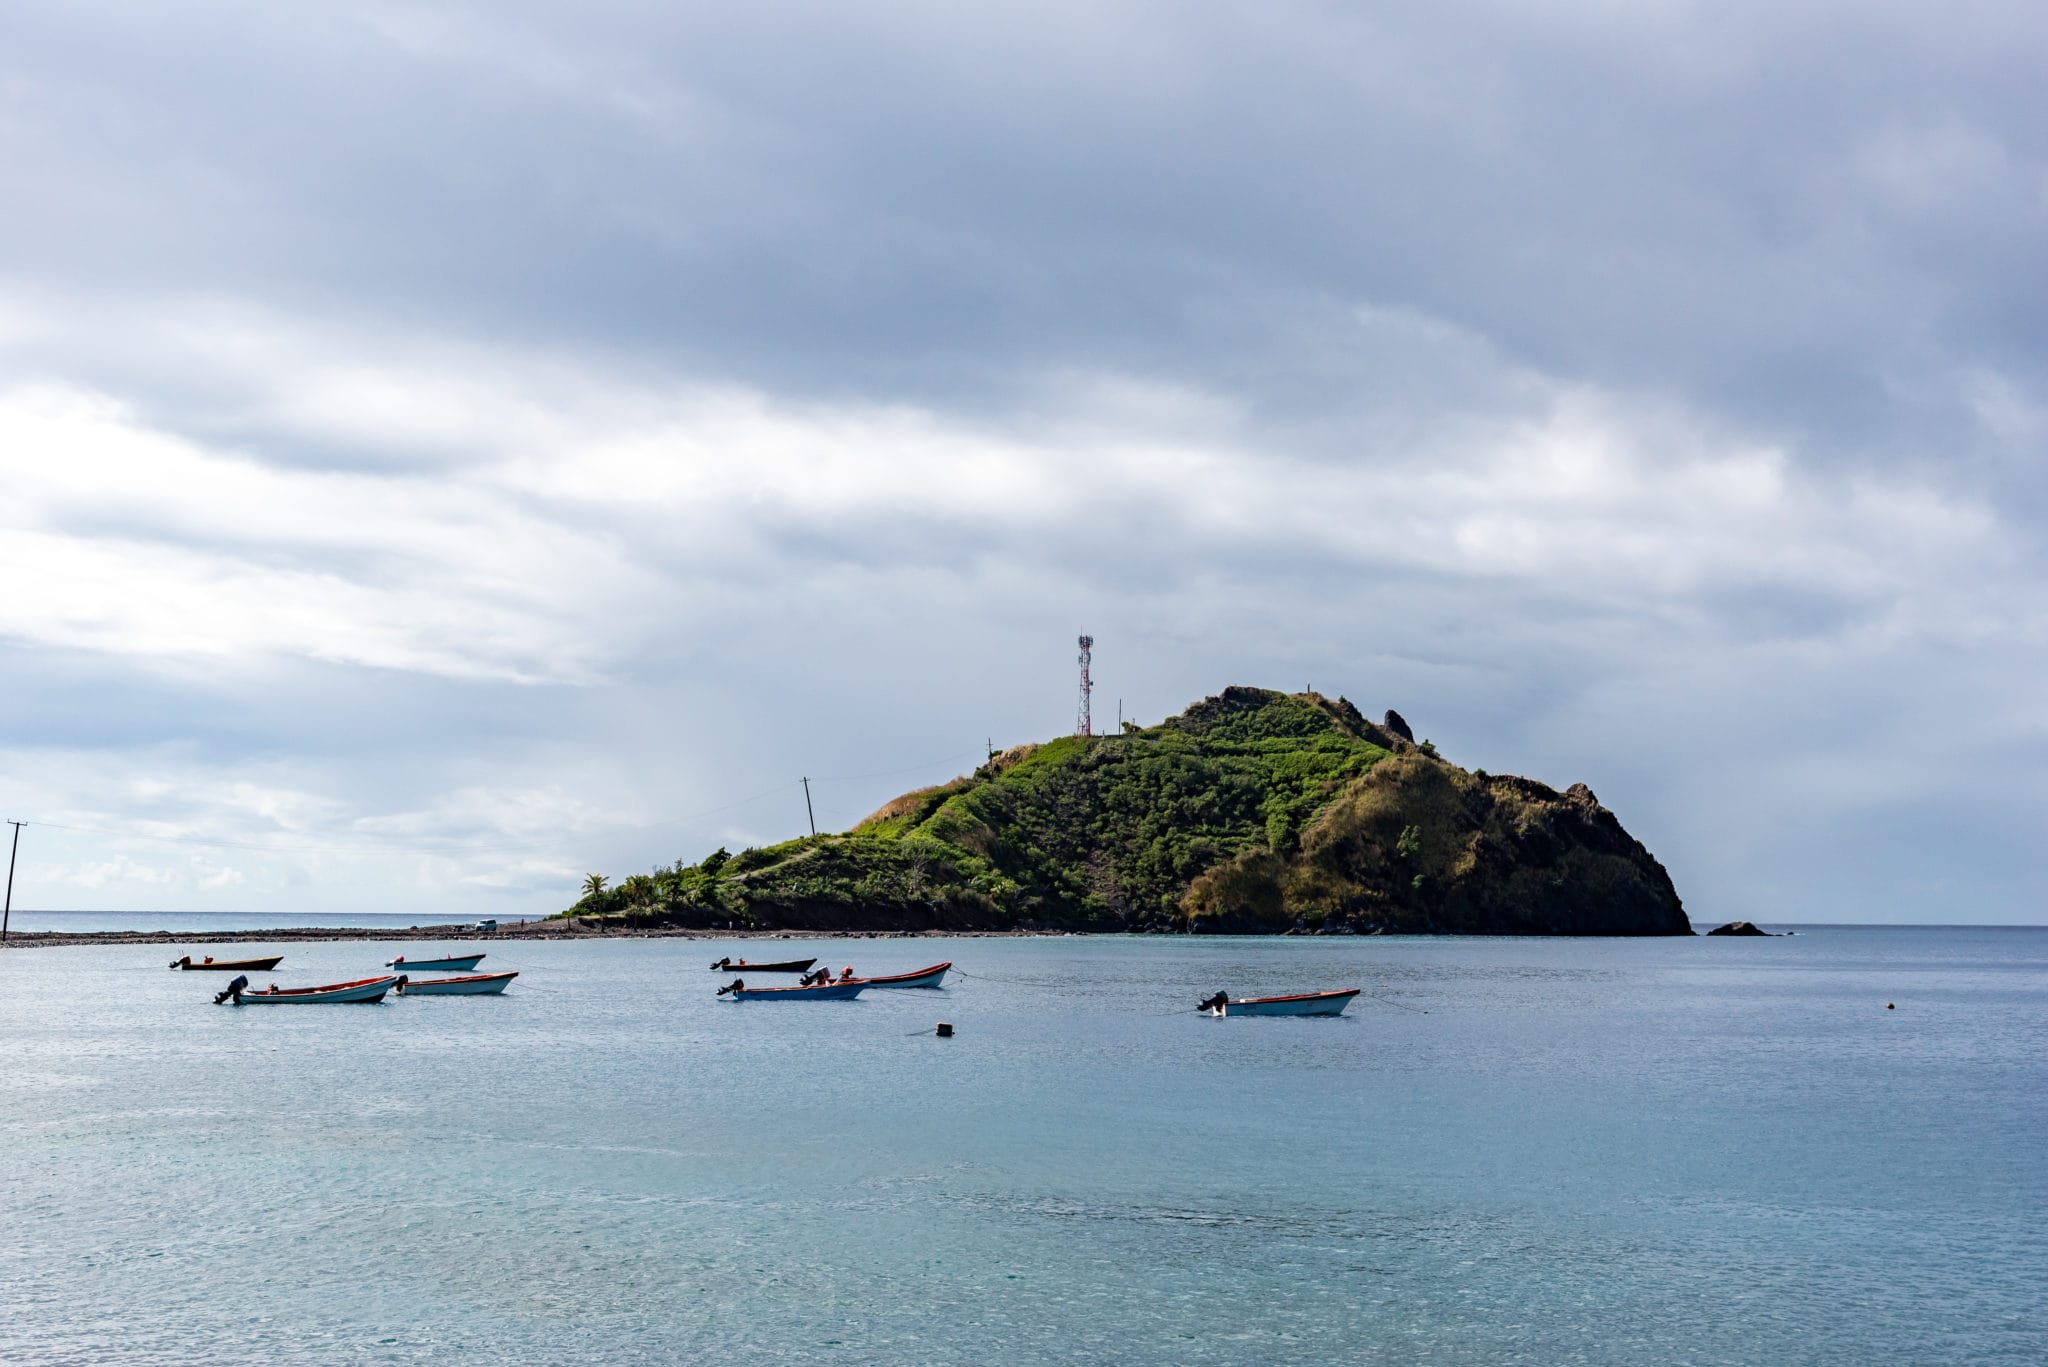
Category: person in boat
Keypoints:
(846, 974)
(1215, 1003)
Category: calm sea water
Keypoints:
(1529, 1151)
(220, 922)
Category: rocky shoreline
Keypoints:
(513, 930)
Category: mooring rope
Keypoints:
(1032, 982)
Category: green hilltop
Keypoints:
(1253, 811)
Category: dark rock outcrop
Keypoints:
(1398, 724)
(1424, 847)
(1737, 928)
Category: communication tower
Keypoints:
(1083, 725)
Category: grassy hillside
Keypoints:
(1253, 811)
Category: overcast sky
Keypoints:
(449, 449)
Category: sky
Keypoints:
(449, 449)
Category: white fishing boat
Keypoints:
(474, 985)
(361, 990)
(923, 977)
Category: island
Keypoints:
(1252, 812)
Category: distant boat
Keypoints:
(474, 985)
(924, 977)
(742, 966)
(1302, 1004)
(460, 963)
(823, 992)
(361, 990)
(212, 965)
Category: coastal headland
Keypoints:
(1252, 812)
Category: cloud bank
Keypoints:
(449, 450)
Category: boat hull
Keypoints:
(229, 965)
(460, 963)
(923, 977)
(475, 986)
(786, 966)
(827, 992)
(1305, 1004)
(363, 990)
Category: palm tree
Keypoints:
(593, 885)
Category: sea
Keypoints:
(1824, 1148)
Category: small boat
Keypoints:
(474, 985)
(742, 966)
(924, 977)
(361, 990)
(1301, 1004)
(460, 963)
(823, 992)
(210, 964)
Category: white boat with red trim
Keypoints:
(361, 990)
(473, 985)
(924, 977)
(1300, 1004)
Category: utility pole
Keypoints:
(7, 913)
(807, 807)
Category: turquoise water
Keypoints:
(1705, 1151)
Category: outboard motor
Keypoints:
(1215, 1003)
(399, 986)
(180, 963)
(234, 989)
(736, 985)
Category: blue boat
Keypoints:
(461, 963)
(823, 992)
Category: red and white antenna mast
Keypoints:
(1083, 724)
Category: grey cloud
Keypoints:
(1335, 262)
(928, 204)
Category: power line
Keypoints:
(269, 847)
(891, 773)
(265, 847)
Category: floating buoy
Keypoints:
(944, 1030)
(1889, 1007)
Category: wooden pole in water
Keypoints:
(7, 913)
(807, 807)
